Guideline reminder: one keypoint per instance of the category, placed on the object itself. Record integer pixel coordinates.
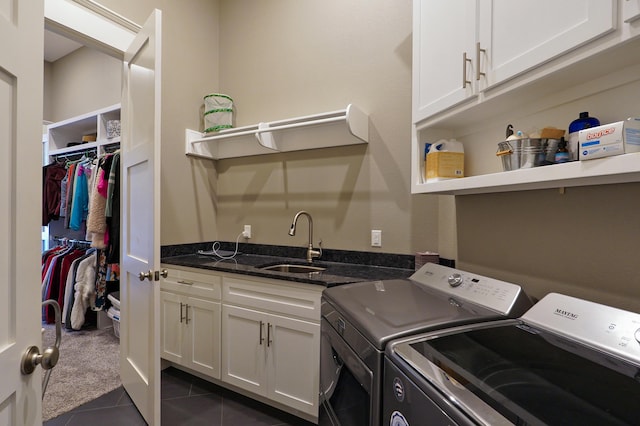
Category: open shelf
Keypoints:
(616, 169)
(348, 126)
(61, 133)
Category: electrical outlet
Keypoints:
(247, 231)
(376, 238)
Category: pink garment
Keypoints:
(103, 183)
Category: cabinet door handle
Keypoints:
(186, 314)
(181, 316)
(269, 341)
(464, 70)
(478, 62)
(261, 338)
(185, 282)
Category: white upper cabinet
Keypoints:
(464, 47)
(630, 11)
(444, 65)
(478, 63)
(517, 35)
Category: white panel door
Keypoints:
(443, 32)
(243, 348)
(140, 146)
(172, 327)
(21, 76)
(293, 362)
(519, 35)
(203, 319)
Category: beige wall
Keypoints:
(288, 58)
(282, 59)
(80, 82)
(48, 98)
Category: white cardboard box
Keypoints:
(610, 139)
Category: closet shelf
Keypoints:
(84, 147)
(348, 126)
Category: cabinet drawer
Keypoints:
(192, 283)
(286, 298)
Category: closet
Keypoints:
(81, 208)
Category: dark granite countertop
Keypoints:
(244, 263)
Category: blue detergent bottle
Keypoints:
(583, 122)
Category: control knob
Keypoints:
(454, 280)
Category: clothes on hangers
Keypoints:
(52, 175)
(78, 278)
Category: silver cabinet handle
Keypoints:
(186, 314)
(185, 282)
(269, 341)
(478, 62)
(181, 316)
(464, 70)
(261, 338)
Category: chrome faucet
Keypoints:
(311, 252)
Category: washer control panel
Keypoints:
(503, 297)
(604, 327)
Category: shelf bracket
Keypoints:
(203, 150)
(265, 138)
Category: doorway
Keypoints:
(77, 82)
(82, 73)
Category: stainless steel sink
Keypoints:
(293, 269)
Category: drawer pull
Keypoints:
(185, 282)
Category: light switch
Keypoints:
(376, 238)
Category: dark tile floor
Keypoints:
(186, 400)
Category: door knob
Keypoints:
(164, 273)
(32, 358)
(146, 275)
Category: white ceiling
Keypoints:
(57, 46)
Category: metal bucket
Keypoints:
(510, 153)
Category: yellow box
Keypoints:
(442, 165)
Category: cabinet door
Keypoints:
(293, 360)
(202, 324)
(171, 329)
(443, 31)
(518, 35)
(244, 348)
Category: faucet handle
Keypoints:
(313, 253)
(316, 253)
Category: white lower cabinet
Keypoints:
(190, 311)
(272, 355)
(261, 336)
(191, 332)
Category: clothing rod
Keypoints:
(88, 152)
(70, 240)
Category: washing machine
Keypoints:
(359, 319)
(566, 361)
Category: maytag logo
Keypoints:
(566, 314)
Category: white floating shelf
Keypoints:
(348, 126)
(616, 169)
